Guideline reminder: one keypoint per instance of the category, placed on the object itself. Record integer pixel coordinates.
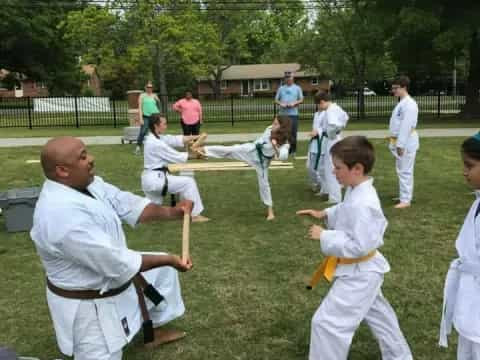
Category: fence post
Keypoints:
(358, 104)
(438, 104)
(29, 113)
(77, 120)
(114, 114)
(231, 108)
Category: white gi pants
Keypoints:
(332, 186)
(405, 166)
(316, 176)
(89, 341)
(185, 186)
(349, 301)
(467, 350)
(247, 153)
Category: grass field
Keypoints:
(245, 297)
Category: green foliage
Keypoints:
(33, 45)
(348, 43)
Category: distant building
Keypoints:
(256, 79)
(30, 88)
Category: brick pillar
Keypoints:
(132, 98)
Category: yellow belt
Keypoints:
(393, 139)
(329, 265)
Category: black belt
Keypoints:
(165, 170)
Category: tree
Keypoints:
(348, 42)
(144, 41)
(33, 45)
(430, 35)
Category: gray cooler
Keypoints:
(130, 134)
(17, 208)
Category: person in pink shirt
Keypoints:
(190, 111)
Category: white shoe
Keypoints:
(138, 150)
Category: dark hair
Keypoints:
(355, 150)
(155, 119)
(403, 81)
(188, 91)
(322, 95)
(284, 133)
(471, 147)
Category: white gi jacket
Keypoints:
(356, 227)
(267, 146)
(160, 152)
(402, 123)
(316, 126)
(330, 123)
(82, 246)
(461, 302)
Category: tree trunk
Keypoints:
(161, 79)
(472, 104)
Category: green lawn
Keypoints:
(239, 127)
(245, 297)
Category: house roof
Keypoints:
(262, 71)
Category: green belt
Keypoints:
(261, 156)
(319, 151)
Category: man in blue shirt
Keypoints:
(288, 97)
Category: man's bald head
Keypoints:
(64, 159)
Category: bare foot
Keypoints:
(163, 336)
(200, 218)
(402, 205)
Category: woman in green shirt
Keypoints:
(147, 105)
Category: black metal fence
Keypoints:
(100, 111)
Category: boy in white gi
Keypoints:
(403, 141)
(98, 290)
(274, 142)
(158, 152)
(461, 304)
(328, 122)
(355, 231)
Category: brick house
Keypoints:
(30, 88)
(258, 79)
(25, 88)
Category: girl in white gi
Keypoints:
(274, 142)
(355, 232)
(461, 304)
(157, 154)
(404, 141)
(328, 122)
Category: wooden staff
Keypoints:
(186, 237)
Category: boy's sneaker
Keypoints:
(138, 150)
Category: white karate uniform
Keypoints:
(356, 227)
(330, 123)
(247, 152)
(461, 304)
(402, 127)
(316, 176)
(158, 153)
(82, 246)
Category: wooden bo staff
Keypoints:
(186, 237)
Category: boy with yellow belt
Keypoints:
(355, 231)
